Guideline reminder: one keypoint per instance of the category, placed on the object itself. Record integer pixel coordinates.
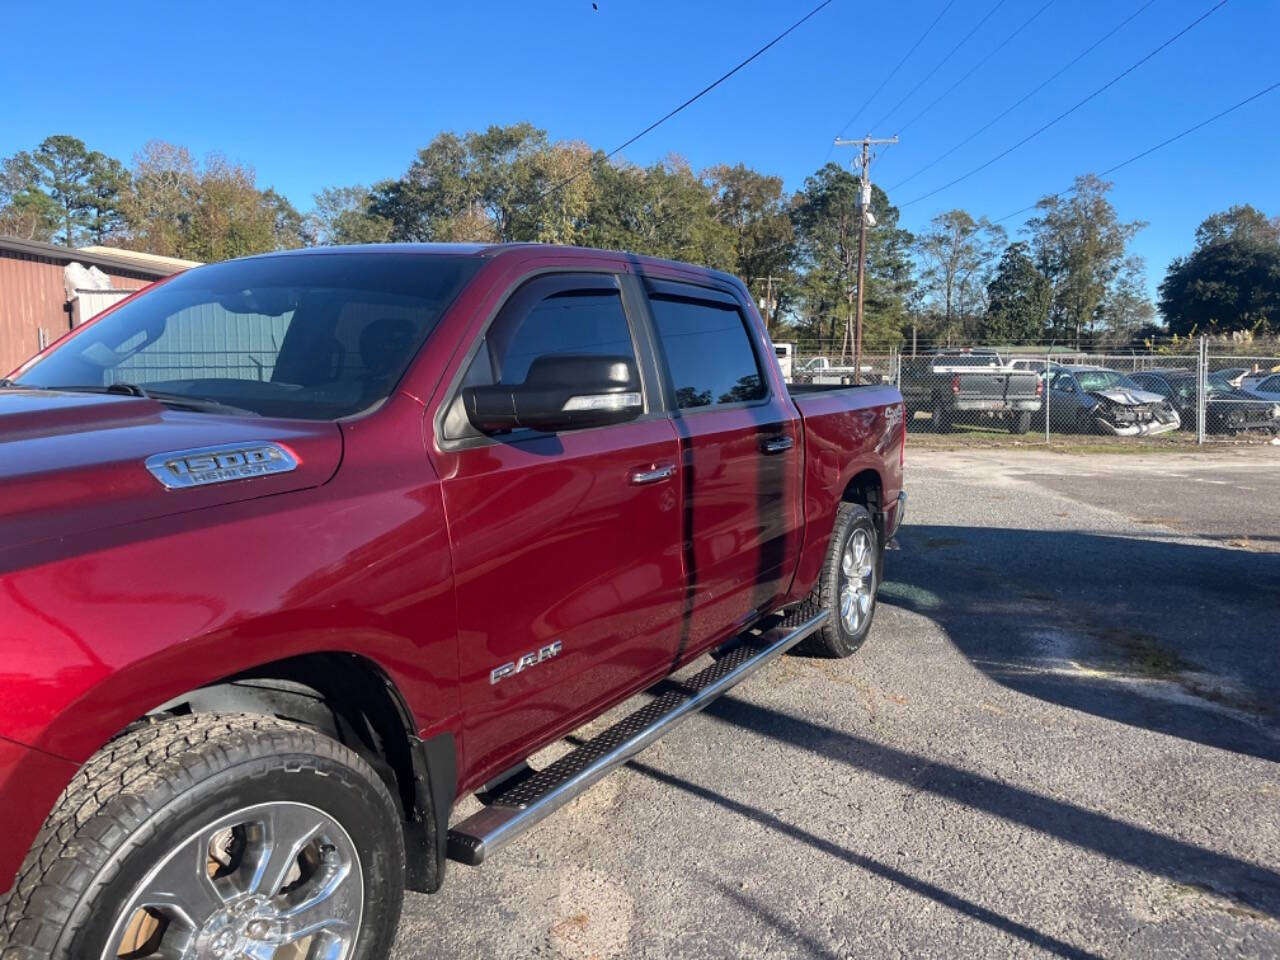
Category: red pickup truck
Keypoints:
(297, 549)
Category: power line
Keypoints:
(979, 65)
(938, 66)
(1048, 80)
(697, 96)
(1150, 150)
(1066, 113)
(892, 73)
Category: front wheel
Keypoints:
(213, 836)
(848, 585)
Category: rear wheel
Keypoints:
(848, 586)
(218, 837)
(1020, 423)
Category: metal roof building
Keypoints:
(39, 303)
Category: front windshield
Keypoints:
(1091, 380)
(313, 336)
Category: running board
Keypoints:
(530, 799)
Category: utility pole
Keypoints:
(768, 300)
(864, 211)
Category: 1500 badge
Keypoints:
(179, 469)
(524, 663)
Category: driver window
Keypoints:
(574, 322)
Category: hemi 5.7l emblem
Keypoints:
(179, 469)
(524, 663)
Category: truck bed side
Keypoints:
(853, 438)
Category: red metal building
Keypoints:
(35, 305)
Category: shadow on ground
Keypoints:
(1172, 637)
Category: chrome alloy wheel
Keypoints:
(276, 881)
(857, 581)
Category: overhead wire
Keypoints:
(977, 66)
(939, 65)
(894, 72)
(697, 96)
(1048, 80)
(1070, 110)
(1150, 150)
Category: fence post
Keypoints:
(1048, 359)
(1202, 387)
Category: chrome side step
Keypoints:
(532, 798)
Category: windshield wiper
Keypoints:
(180, 400)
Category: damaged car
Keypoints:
(1226, 409)
(1097, 400)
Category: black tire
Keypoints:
(832, 639)
(142, 794)
(941, 417)
(1020, 423)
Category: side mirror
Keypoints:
(560, 392)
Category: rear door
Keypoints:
(741, 460)
(566, 546)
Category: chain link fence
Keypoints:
(1036, 394)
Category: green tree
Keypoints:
(752, 206)
(1018, 299)
(106, 189)
(342, 215)
(825, 214)
(1128, 313)
(1231, 280)
(64, 166)
(1080, 245)
(957, 255)
(26, 211)
(210, 211)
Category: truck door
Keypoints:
(741, 458)
(565, 546)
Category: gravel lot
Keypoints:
(1060, 739)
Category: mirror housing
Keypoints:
(560, 392)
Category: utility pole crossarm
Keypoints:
(866, 143)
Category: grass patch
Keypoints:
(1145, 655)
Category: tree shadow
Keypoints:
(1172, 637)
(822, 845)
(1157, 854)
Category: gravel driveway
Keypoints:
(1060, 739)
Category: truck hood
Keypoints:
(71, 463)
(1128, 397)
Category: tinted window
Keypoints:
(573, 322)
(578, 322)
(708, 353)
(312, 336)
(1270, 385)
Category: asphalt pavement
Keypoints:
(1061, 739)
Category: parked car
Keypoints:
(1266, 387)
(824, 370)
(1086, 399)
(965, 386)
(1227, 410)
(299, 548)
(1230, 376)
(1035, 366)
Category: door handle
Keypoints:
(655, 474)
(777, 444)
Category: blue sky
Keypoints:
(319, 94)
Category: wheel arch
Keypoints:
(867, 489)
(350, 698)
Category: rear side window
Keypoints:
(708, 353)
